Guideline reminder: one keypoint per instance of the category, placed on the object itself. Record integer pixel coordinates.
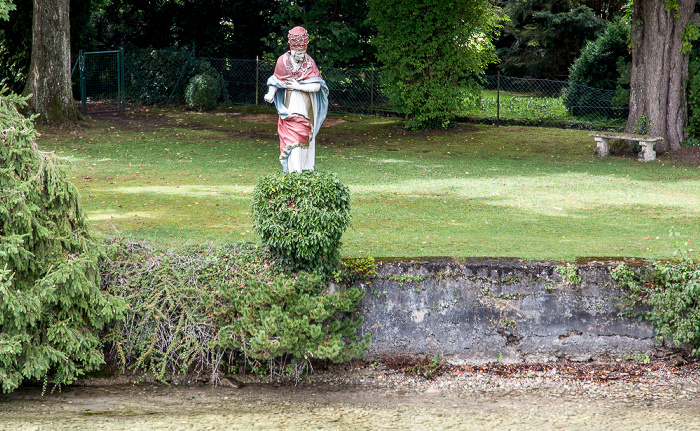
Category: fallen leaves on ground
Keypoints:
(630, 370)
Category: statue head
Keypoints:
(298, 39)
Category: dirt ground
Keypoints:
(371, 397)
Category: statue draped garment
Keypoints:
(301, 113)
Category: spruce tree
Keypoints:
(51, 306)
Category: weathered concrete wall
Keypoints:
(483, 310)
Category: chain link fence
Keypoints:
(355, 91)
(160, 77)
(546, 102)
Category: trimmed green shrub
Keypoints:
(202, 92)
(51, 306)
(301, 217)
(200, 311)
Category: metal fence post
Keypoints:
(121, 89)
(371, 93)
(257, 79)
(498, 98)
(184, 69)
(83, 82)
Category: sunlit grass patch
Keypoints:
(177, 177)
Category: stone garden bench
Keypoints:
(645, 141)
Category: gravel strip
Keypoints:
(373, 396)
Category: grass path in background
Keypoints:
(175, 177)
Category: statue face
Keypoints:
(299, 56)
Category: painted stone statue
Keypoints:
(301, 97)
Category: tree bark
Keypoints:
(659, 70)
(49, 80)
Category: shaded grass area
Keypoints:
(527, 108)
(176, 177)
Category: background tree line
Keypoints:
(539, 38)
(584, 41)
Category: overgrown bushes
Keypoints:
(210, 311)
(51, 306)
(301, 217)
(428, 51)
(671, 293)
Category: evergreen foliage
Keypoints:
(694, 95)
(602, 64)
(427, 47)
(51, 306)
(202, 310)
(542, 38)
(301, 217)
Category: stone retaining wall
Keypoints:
(485, 310)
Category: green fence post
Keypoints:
(122, 82)
(498, 98)
(83, 83)
(184, 69)
(371, 93)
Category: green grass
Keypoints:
(531, 109)
(175, 177)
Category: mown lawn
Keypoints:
(175, 177)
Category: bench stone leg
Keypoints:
(647, 154)
(602, 147)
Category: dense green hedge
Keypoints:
(205, 88)
(301, 218)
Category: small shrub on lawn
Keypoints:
(204, 89)
(197, 311)
(301, 217)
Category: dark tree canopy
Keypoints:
(238, 29)
(15, 47)
(218, 28)
(16, 39)
(542, 38)
(339, 30)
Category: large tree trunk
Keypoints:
(659, 70)
(49, 72)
